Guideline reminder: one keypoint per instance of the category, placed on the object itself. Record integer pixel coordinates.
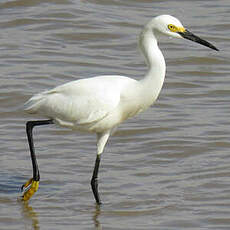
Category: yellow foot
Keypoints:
(30, 187)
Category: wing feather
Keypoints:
(79, 102)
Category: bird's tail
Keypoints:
(34, 103)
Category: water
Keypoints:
(167, 168)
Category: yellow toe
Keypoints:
(30, 191)
(24, 186)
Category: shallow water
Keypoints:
(167, 168)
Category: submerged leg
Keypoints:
(101, 141)
(94, 180)
(31, 186)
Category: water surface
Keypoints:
(167, 168)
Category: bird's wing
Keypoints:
(79, 102)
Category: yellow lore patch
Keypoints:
(176, 29)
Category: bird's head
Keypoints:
(172, 27)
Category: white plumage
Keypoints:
(101, 103)
(94, 104)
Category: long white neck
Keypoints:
(154, 78)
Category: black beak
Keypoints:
(190, 36)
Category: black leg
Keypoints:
(29, 130)
(94, 180)
(32, 184)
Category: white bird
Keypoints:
(99, 104)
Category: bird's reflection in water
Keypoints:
(96, 215)
(30, 216)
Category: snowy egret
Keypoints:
(101, 103)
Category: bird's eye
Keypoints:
(172, 28)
